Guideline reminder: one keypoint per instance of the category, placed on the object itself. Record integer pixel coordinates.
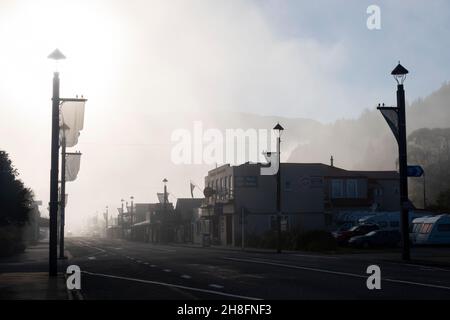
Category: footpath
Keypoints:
(25, 276)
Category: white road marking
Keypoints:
(167, 270)
(172, 285)
(217, 286)
(338, 273)
(146, 263)
(92, 258)
(185, 276)
(314, 256)
(153, 266)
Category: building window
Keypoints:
(352, 188)
(337, 188)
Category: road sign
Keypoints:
(415, 171)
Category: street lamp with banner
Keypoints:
(396, 119)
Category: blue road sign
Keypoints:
(415, 171)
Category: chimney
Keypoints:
(332, 161)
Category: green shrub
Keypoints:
(11, 241)
(316, 240)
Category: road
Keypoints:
(117, 269)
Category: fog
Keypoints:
(151, 67)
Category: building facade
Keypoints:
(312, 195)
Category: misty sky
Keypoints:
(136, 59)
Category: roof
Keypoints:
(332, 171)
(188, 204)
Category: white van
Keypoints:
(431, 230)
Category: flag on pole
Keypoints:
(161, 197)
(390, 114)
(72, 120)
(192, 189)
(72, 165)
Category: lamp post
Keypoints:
(396, 119)
(279, 129)
(131, 211)
(62, 205)
(53, 225)
(121, 219)
(105, 215)
(164, 217)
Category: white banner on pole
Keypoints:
(72, 118)
(72, 166)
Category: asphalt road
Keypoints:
(116, 269)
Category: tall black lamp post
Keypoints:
(396, 118)
(53, 241)
(279, 129)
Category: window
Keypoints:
(352, 186)
(337, 188)
(444, 227)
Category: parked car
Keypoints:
(342, 237)
(431, 230)
(377, 238)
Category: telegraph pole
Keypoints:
(62, 205)
(279, 129)
(54, 162)
(403, 165)
(396, 119)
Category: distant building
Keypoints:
(185, 211)
(153, 222)
(312, 195)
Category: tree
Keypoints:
(430, 148)
(443, 201)
(15, 199)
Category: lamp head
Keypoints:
(165, 180)
(399, 73)
(279, 129)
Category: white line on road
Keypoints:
(146, 263)
(338, 273)
(172, 285)
(167, 270)
(314, 256)
(185, 276)
(92, 258)
(217, 286)
(153, 266)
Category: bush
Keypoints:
(11, 241)
(317, 240)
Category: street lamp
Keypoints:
(53, 225)
(279, 130)
(131, 211)
(396, 119)
(121, 218)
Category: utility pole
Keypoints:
(396, 119)
(243, 227)
(53, 241)
(279, 129)
(403, 164)
(62, 204)
(424, 192)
